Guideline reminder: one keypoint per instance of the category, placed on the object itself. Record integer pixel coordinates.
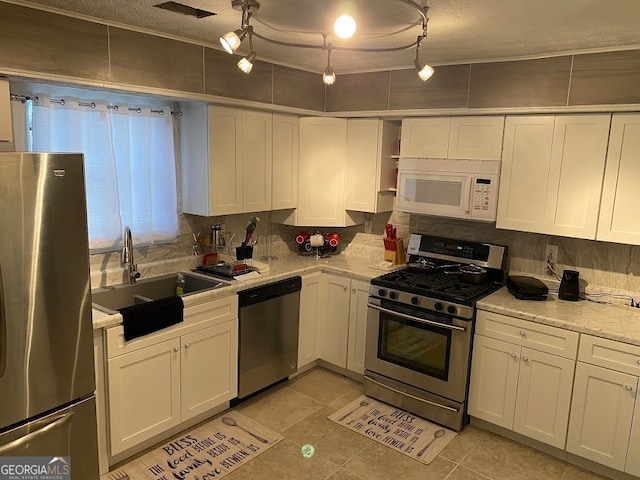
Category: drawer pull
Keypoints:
(187, 345)
(514, 355)
(628, 387)
(176, 349)
(523, 333)
(638, 361)
(525, 358)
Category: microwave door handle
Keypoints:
(466, 194)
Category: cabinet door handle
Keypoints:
(344, 288)
(523, 333)
(354, 290)
(187, 345)
(525, 358)
(514, 355)
(628, 387)
(176, 349)
(638, 361)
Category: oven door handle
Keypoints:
(423, 400)
(416, 319)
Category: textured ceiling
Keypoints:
(458, 30)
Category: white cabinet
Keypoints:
(334, 330)
(158, 381)
(311, 305)
(323, 156)
(371, 170)
(286, 142)
(208, 368)
(526, 158)
(516, 383)
(333, 320)
(6, 127)
(226, 160)
(618, 218)
(144, 394)
(552, 170)
(357, 326)
(470, 138)
(257, 151)
(603, 426)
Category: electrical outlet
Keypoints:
(550, 256)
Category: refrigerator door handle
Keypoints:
(58, 420)
(3, 329)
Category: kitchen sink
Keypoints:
(110, 299)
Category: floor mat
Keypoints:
(209, 451)
(404, 432)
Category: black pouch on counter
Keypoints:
(527, 288)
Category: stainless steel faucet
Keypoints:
(127, 256)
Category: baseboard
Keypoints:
(358, 377)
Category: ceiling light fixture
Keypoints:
(246, 63)
(425, 72)
(329, 76)
(232, 40)
(345, 26)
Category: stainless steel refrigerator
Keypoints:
(47, 380)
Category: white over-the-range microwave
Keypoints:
(449, 188)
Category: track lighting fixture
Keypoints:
(329, 76)
(246, 63)
(344, 27)
(424, 71)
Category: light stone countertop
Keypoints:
(614, 322)
(285, 267)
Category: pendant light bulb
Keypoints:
(329, 76)
(232, 40)
(424, 72)
(345, 26)
(246, 63)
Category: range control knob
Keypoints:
(451, 309)
(382, 292)
(438, 306)
(415, 300)
(393, 295)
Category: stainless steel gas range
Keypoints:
(420, 323)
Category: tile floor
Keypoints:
(298, 408)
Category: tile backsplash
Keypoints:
(601, 264)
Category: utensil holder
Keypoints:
(244, 252)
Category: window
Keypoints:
(130, 171)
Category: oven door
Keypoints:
(426, 350)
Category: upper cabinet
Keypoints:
(552, 169)
(6, 128)
(286, 144)
(226, 160)
(371, 165)
(470, 138)
(618, 221)
(323, 159)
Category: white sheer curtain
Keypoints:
(129, 166)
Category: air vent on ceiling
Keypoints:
(176, 7)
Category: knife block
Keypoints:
(395, 255)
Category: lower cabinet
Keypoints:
(518, 387)
(160, 380)
(333, 320)
(604, 427)
(310, 312)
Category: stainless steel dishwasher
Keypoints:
(268, 334)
